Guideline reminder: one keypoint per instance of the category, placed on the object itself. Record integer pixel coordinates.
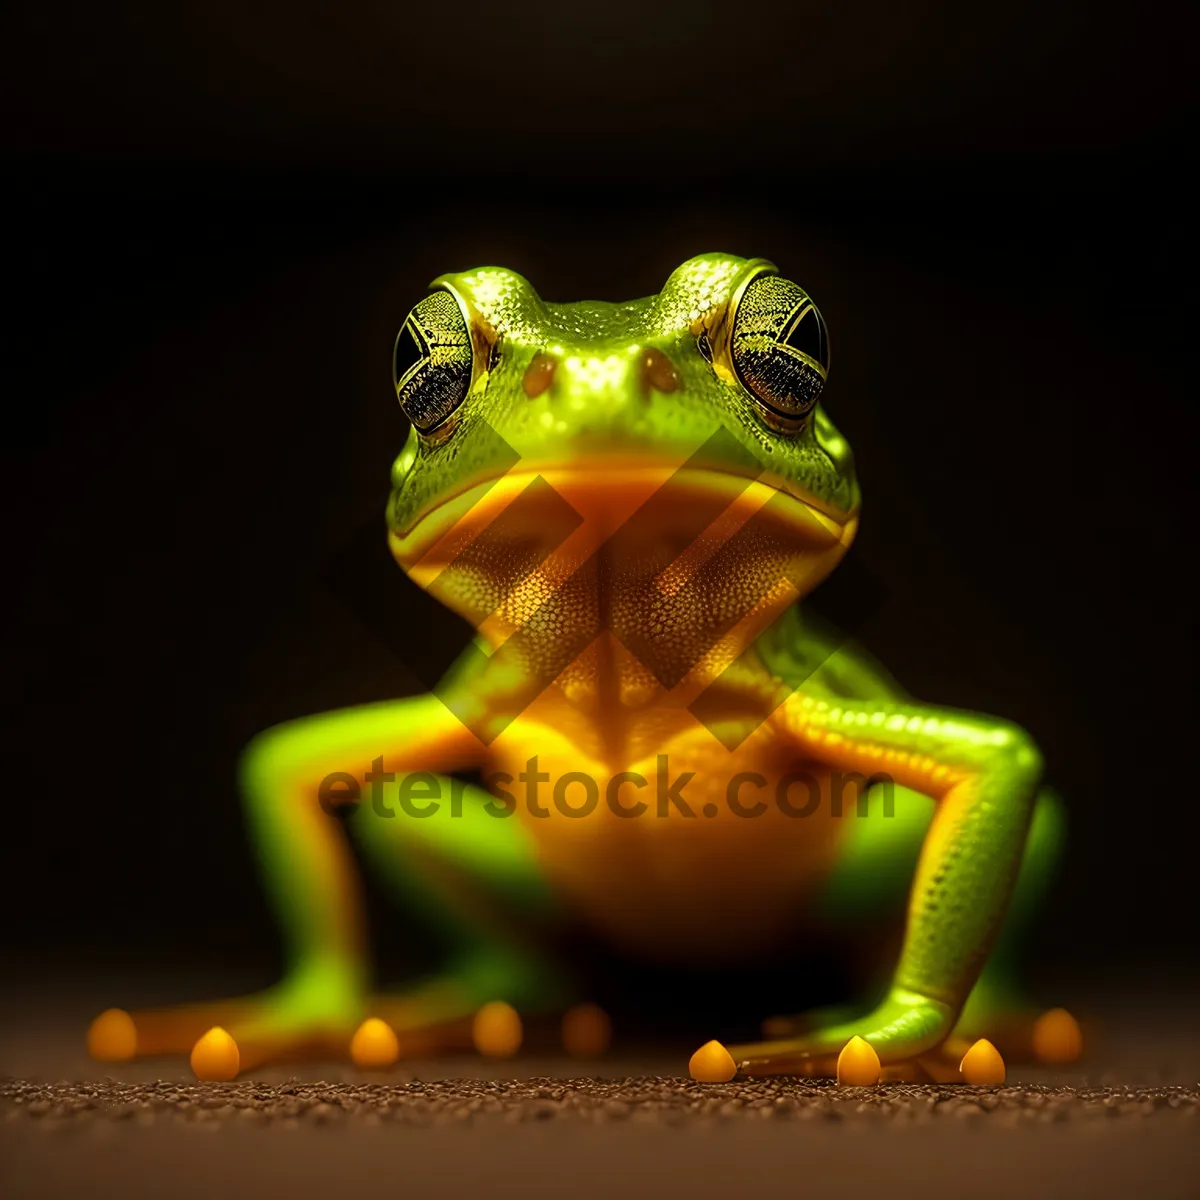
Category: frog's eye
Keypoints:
(780, 347)
(431, 364)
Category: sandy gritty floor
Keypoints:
(1128, 1123)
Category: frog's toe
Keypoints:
(712, 1063)
(858, 1065)
(1057, 1037)
(112, 1036)
(586, 1031)
(374, 1045)
(497, 1030)
(216, 1057)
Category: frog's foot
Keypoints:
(1021, 1031)
(955, 1060)
(229, 1037)
(899, 1031)
(308, 1015)
(322, 1014)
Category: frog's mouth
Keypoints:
(551, 512)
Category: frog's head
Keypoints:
(706, 394)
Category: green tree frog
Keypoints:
(648, 734)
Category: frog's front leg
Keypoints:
(291, 776)
(983, 775)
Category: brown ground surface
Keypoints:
(1128, 1123)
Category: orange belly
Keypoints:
(715, 870)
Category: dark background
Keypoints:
(217, 219)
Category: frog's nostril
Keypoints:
(658, 371)
(539, 374)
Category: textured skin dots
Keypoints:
(432, 361)
(780, 347)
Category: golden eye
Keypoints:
(431, 363)
(780, 346)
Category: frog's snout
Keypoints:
(579, 380)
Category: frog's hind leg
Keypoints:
(872, 878)
(468, 872)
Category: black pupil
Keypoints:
(409, 352)
(808, 335)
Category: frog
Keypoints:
(650, 731)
